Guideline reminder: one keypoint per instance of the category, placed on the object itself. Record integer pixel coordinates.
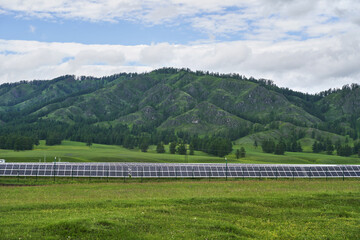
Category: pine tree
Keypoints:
(242, 152)
(345, 151)
(294, 146)
(181, 149)
(144, 142)
(191, 148)
(356, 147)
(2, 142)
(36, 141)
(160, 148)
(172, 147)
(221, 147)
(356, 135)
(18, 145)
(237, 153)
(53, 139)
(28, 143)
(337, 144)
(299, 147)
(329, 147)
(89, 142)
(268, 146)
(313, 134)
(144, 146)
(280, 148)
(128, 143)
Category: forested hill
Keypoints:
(170, 101)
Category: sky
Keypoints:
(306, 45)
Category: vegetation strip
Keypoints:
(189, 209)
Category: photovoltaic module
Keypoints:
(172, 170)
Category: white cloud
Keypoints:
(210, 16)
(312, 65)
(304, 45)
(221, 24)
(157, 55)
(30, 60)
(32, 29)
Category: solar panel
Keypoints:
(169, 170)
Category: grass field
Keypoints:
(183, 209)
(78, 152)
(70, 151)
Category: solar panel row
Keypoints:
(167, 170)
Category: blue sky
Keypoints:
(304, 45)
(73, 30)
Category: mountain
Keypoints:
(179, 100)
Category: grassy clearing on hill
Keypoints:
(255, 155)
(70, 151)
(78, 152)
(186, 209)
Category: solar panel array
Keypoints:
(169, 170)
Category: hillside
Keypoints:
(176, 100)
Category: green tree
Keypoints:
(220, 146)
(356, 147)
(191, 148)
(144, 146)
(36, 141)
(10, 142)
(144, 142)
(299, 147)
(129, 141)
(242, 152)
(337, 144)
(172, 147)
(329, 147)
(22, 143)
(313, 134)
(280, 148)
(268, 146)
(237, 153)
(255, 144)
(181, 149)
(53, 139)
(89, 142)
(19, 144)
(2, 142)
(345, 151)
(160, 148)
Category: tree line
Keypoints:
(17, 143)
(141, 137)
(216, 146)
(342, 149)
(279, 148)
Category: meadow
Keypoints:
(85, 208)
(70, 151)
(183, 209)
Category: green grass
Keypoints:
(255, 155)
(78, 152)
(183, 209)
(70, 151)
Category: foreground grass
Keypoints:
(186, 209)
(77, 152)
